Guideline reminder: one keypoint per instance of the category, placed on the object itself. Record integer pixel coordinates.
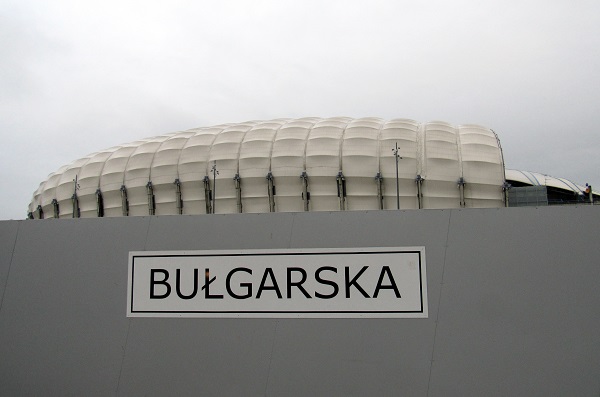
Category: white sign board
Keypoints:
(293, 283)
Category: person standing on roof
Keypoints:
(588, 192)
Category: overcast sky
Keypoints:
(80, 76)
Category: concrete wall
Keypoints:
(513, 293)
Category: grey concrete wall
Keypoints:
(513, 309)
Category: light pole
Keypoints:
(397, 155)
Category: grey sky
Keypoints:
(80, 76)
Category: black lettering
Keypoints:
(386, 270)
(326, 282)
(206, 286)
(297, 284)
(178, 285)
(350, 283)
(248, 286)
(274, 287)
(153, 282)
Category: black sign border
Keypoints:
(279, 311)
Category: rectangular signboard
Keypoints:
(291, 283)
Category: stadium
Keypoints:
(313, 256)
(290, 165)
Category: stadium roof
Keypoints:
(528, 178)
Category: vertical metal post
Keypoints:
(461, 187)
(397, 155)
(238, 192)
(124, 201)
(55, 208)
(207, 194)
(305, 192)
(341, 189)
(75, 200)
(178, 198)
(214, 191)
(379, 183)
(505, 188)
(271, 191)
(419, 181)
(99, 204)
(40, 212)
(151, 203)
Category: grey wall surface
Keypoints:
(513, 296)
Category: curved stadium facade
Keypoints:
(287, 165)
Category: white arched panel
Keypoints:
(482, 167)
(33, 205)
(163, 173)
(113, 177)
(89, 182)
(194, 166)
(360, 163)
(137, 175)
(323, 162)
(442, 166)
(166, 159)
(66, 188)
(288, 163)
(49, 192)
(224, 154)
(255, 164)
